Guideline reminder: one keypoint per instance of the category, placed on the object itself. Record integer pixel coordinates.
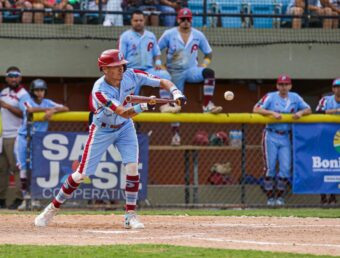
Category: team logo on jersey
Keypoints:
(336, 141)
(194, 48)
(150, 46)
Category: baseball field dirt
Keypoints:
(284, 234)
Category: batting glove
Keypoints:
(178, 95)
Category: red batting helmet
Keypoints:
(111, 58)
(184, 13)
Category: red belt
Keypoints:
(104, 125)
(279, 132)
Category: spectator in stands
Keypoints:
(182, 45)
(330, 105)
(11, 117)
(169, 6)
(93, 5)
(1, 6)
(277, 137)
(113, 19)
(35, 103)
(297, 7)
(129, 6)
(26, 17)
(334, 5)
(149, 7)
(59, 5)
(140, 48)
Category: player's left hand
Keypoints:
(297, 115)
(48, 114)
(178, 95)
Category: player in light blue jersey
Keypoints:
(277, 137)
(330, 105)
(182, 44)
(112, 124)
(36, 103)
(140, 48)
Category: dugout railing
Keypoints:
(223, 172)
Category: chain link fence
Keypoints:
(216, 165)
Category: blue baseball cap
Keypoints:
(336, 82)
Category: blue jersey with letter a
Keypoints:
(106, 98)
(326, 103)
(181, 56)
(290, 105)
(139, 49)
(37, 126)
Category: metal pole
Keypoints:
(204, 13)
(28, 156)
(187, 176)
(100, 9)
(306, 14)
(196, 183)
(243, 164)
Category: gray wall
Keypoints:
(77, 57)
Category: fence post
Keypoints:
(306, 14)
(204, 13)
(243, 164)
(100, 9)
(28, 154)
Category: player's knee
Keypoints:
(78, 177)
(268, 184)
(131, 169)
(208, 73)
(282, 184)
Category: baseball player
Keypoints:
(182, 44)
(330, 105)
(112, 124)
(277, 137)
(140, 48)
(36, 103)
(12, 93)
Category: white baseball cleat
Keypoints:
(211, 108)
(46, 216)
(271, 202)
(167, 108)
(280, 201)
(132, 221)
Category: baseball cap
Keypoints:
(284, 79)
(336, 82)
(184, 13)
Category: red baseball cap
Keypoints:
(184, 13)
(284, 79)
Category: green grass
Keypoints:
(135, 251)
(302, 213)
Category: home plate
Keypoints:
(112, 231)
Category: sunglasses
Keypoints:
(283, 84)
(13, 75)
(185, 19)
(39, 90)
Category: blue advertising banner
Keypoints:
(316, 152)
(53, 154)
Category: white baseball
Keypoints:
(228, 95)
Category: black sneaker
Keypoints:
(16, 203)
(332, 199)
(2, 204)
(323, 199)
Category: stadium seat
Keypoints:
(231, 22)
(197, 8)
(262, 7)
(10, 17)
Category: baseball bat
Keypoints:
(149, 100)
